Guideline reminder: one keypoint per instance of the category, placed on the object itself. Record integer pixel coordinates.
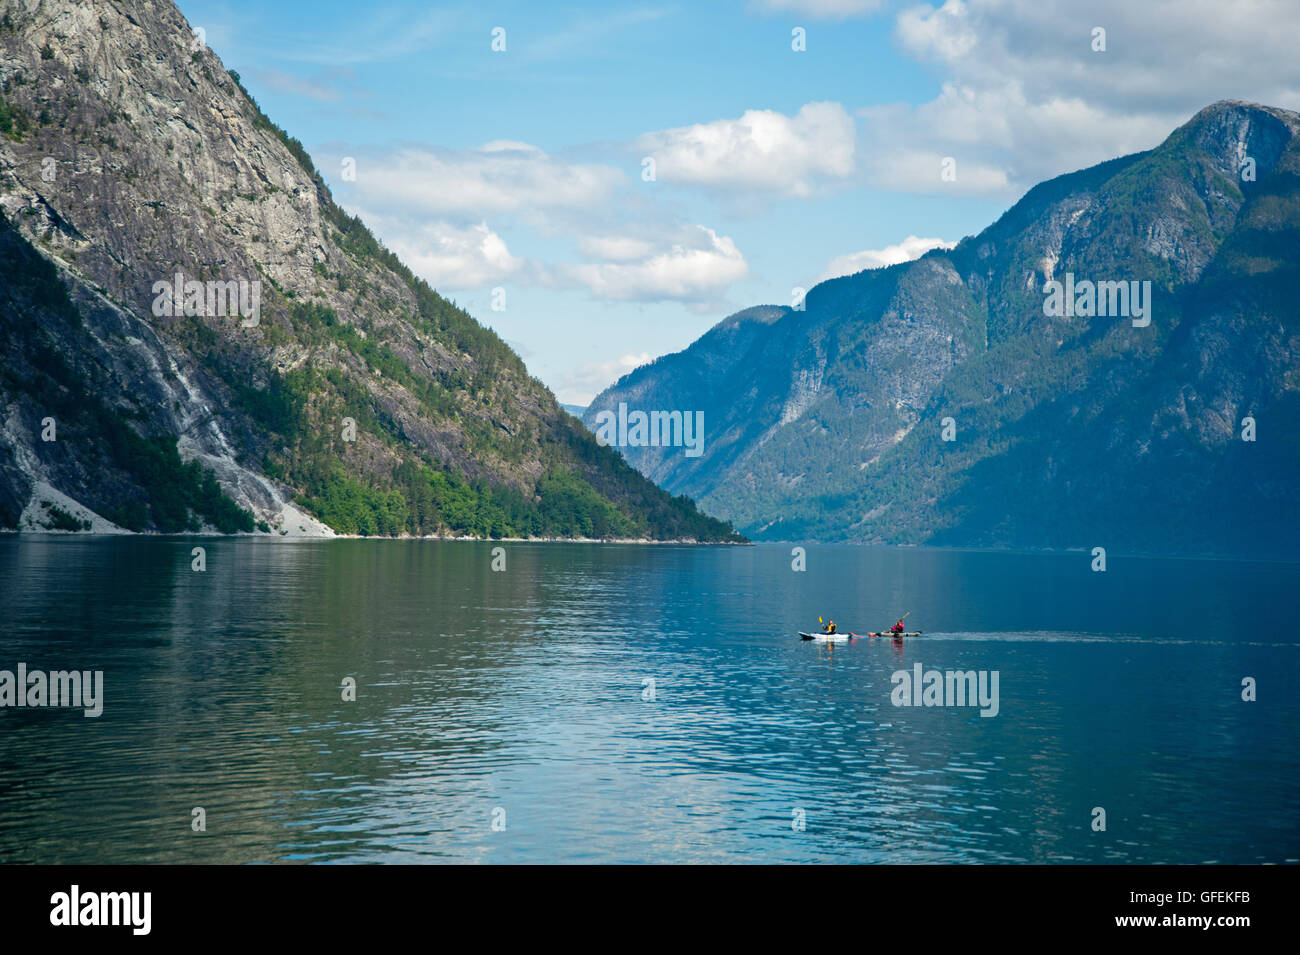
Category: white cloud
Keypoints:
(452, 257)
(501, 176)
(1160, 54)
(698, 268)
(1024, 96)
(512, 146)
(430, 206)
(762, 150)
(911, 170)
(820, 9)
(619, 248)
(946, 34)
(910, 248)
(586, 381)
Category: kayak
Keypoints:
(888, 633)
(828, 637)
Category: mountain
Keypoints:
(1068, 429)
(195, 336)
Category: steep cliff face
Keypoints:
(339, 393)
(1066, 429)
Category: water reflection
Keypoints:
(524, 691)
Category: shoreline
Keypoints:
(299, 538)
(949, 548)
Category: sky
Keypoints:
(601, 183)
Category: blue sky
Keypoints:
(522, 169)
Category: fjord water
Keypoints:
(525, 691)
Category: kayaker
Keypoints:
(830, 627)
(897, 628)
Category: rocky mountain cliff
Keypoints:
(196, 337)
(939, 402)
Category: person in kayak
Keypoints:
(897, 628)
(830, 627)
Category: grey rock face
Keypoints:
(1070, 430)
(134, 157)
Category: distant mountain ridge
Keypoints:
(339, 394)
(1067, 430)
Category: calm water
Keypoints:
(522, 691)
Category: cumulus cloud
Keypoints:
(587, 380)
(1160, 54)
(501, 176)
(762, 150)
(914, 170)
(697, 268)
(433, 208)
(1024, 96)
(910, 248)
(619, 248)
(452, 257)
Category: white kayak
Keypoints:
(828, 637)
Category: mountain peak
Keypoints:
(938, 401)
(204, 324)
(1232, 131)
